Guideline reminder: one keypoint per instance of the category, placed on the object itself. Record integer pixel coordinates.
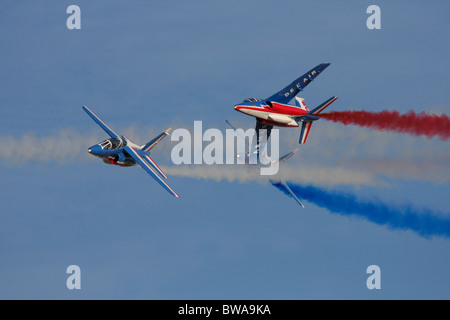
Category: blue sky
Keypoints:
(144, 66)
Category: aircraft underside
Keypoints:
(126, 163)
(277, 124)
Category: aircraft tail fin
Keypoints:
(312, 116)
(151, 144)
(322, 107)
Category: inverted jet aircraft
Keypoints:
(121, 151)
(246, 158)
(276, 110)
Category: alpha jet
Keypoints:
(121, 151)
(255, 150)
(276, 110)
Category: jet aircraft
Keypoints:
(276, 110)
(255, 151)
(119, 150)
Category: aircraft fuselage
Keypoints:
(271, 113)
(110, 155)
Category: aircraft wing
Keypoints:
(287, 156)
(247, 154)
(133, 153)
(229, 123)
(265, 134)
(285, 95)
(94, 117)
(282, 185)
(153, 164)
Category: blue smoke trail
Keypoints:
(424, 222)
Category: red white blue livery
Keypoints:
(276, 110)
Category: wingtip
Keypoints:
(87, 110)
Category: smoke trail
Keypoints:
(357, 162)
(323, 176)
(435, 169)
(67, 145)
(429, 125)
(64, 146)
(424, 222)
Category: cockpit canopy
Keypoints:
(252, 100)
(112, 143)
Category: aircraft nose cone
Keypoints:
(240, 108)
(95, 150)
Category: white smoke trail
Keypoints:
(245, 173)
(65, 146)
(332, 155)
(434, 170)
(382, 154)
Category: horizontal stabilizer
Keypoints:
(151, 144)
(322, 107)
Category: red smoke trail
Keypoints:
(429, 125)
